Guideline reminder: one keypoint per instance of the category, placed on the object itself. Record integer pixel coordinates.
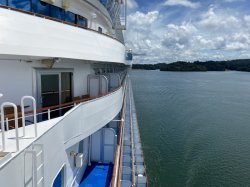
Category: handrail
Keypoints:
(132, 100)
(34, 113)
(116, 167)
(132, 137)
(60, 106)
(2, 124)
(118, 160)
(58, 20)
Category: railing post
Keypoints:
(7, 124)
(34, 113)
(2, 127)
(49, 114)
(16, 124)
(23, 116)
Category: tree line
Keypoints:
(234, 65)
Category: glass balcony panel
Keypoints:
(20, 4)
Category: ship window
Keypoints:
(82, 21)
(57, 12)
(66, 87)
(55, 88)
(3, 2)
(20, 4)
(99, 29)
(40, 7)
(70, 17)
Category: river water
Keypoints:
(195, 127)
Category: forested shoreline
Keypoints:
(233, 65)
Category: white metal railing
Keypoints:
(5, 121)
(34, 113)
(5, 104)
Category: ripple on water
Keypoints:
(194, 127)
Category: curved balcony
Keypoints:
(24, 34)
(82, 120)
(57, 135)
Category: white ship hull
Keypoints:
(75, 70)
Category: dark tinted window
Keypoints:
(57, 12)
(70, 17)
(81, 21)
(20, 4)
(40, 7)
(3, 2)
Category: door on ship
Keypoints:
(103, 144)
(54, 88)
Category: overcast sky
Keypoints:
(171, 30)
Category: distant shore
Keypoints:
(231, 65)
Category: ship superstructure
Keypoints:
(67, 111)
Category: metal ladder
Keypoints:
(34, 171)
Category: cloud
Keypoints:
(237, 46)
(247, 19)
(132, 4)
(231, 1)
(141, 19)
(185, 3)
(216, 21)
(211, 34)
(179, 36)
(142, 36)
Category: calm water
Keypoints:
(195, 127)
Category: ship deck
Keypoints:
(28, 139)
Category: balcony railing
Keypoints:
(79, 21)
(18, 118)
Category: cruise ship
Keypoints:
(68, 116)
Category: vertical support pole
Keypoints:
(7, 124)
(16, 124)
(34, 113)
(23, 116)
(2, 127)
(35, 117)
(49, 114)
(16, 127)
(90, 142)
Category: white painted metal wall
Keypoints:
(63, 137)
(23, 34)
(18, 78)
